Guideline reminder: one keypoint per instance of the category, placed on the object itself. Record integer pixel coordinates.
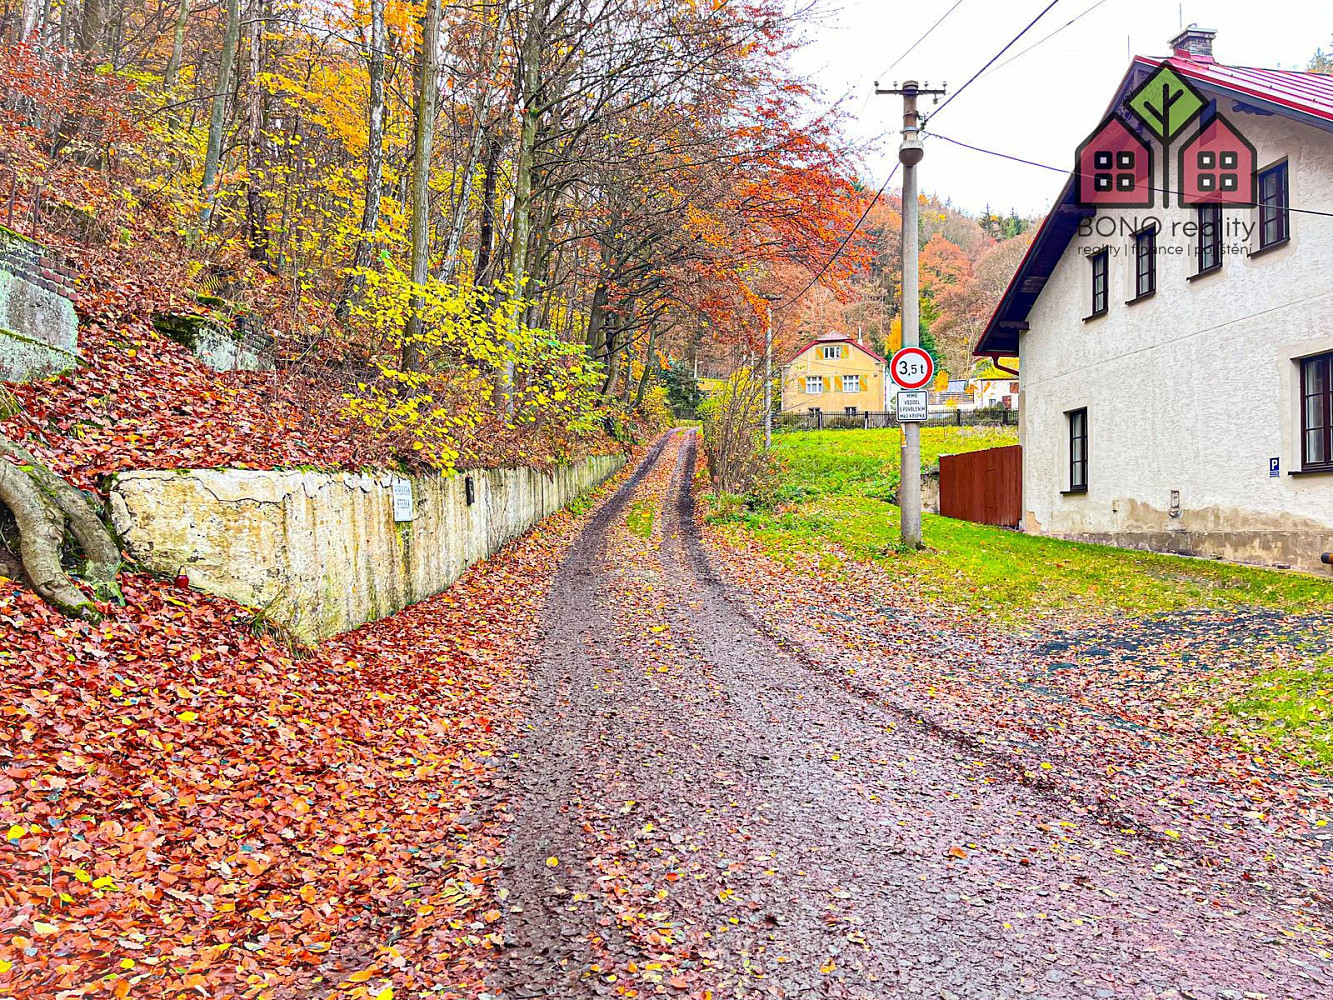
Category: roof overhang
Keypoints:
(1001, 336)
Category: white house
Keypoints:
(1177, 378)
(991, 391)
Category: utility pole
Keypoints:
(910, 154)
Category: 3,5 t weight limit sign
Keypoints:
(912, 368)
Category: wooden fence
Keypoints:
(985, 487)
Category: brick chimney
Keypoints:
(1194, 43)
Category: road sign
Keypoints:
(912, 368)
(913, 406)
(403, 508)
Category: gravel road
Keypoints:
(702, 810)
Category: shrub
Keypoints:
(732, 430)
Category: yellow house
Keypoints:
(834, 374)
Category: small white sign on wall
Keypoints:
(403, 507)
(913, 406)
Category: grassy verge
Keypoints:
(831, 503)
(1290, 711)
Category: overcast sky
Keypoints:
(1045, 103)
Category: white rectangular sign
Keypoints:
(403, 508)
(913, 406)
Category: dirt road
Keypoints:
(702, 810)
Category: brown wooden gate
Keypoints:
(983, 486)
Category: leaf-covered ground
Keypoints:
(744, 779)
(190, 808)
(1185, 700)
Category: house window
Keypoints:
(814, 384)
(851, 383)
(1210, 238)
(833, 353)
(1274, 206)
(1145, 262)
(1316, 412)
(1078, 451)
(1101, 269)
(849, 411)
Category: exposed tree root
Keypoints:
(45, 507)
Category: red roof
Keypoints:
(835, 338)
(1295, 90)
(1295, 94)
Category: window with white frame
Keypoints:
(833, 353)
(814, 385)
(851, 383)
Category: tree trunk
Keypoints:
(486, 233)
(479, 113)
(427, 73)
(31, 11)
(44, 506)
(256, 211)
(214, 155)
(370, 215)
(528, 81)
(649, 367)
(172, 73)
(92, 29)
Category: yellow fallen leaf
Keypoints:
(552, 862)
(43, 929)
(82, 876)
(188, 716)
(5, 965)
(16, 832)
(385, 994)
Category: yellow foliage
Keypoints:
(477, 352)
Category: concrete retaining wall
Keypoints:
(322, 553)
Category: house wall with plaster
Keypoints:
(1191, 392)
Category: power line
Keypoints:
(1014, 41)
(991, 152)
(1062, 170)
(929, 31)
(838, 253)
(1070, 22)
(883, 187)
(910, 49)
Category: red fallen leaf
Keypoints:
(679, 982)
(197, 819)
(957, 852)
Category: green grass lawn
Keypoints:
(832, 504)
(865, 463)
(1290, 711)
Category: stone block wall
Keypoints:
(219, 340)
(322, 553)
(39, 330)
